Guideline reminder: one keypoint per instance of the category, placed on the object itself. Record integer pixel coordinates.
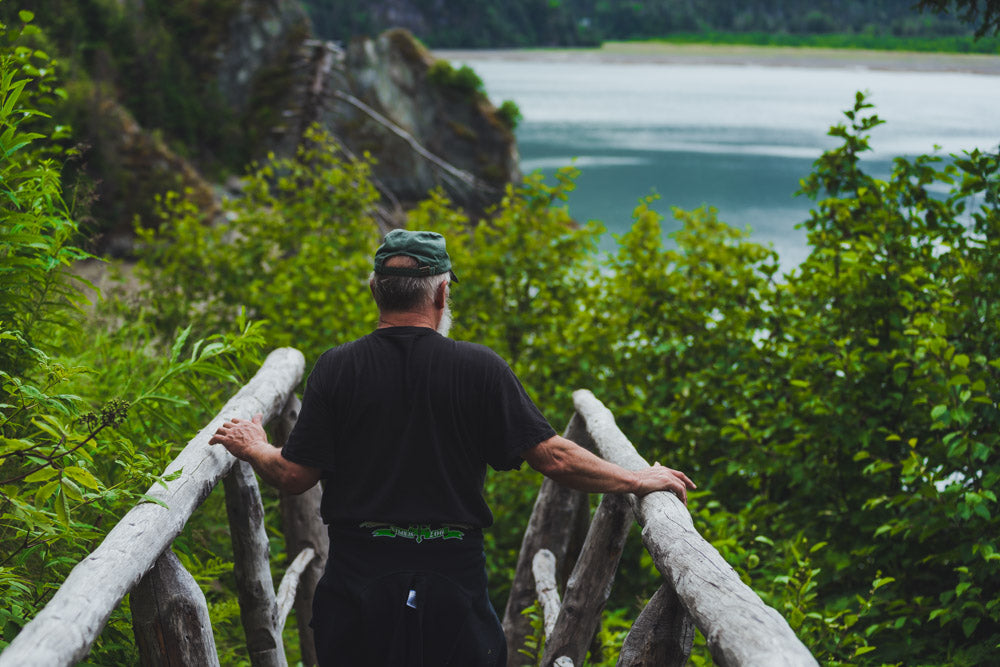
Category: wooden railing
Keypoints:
(169, 610)
(170, 616)
(699, 588)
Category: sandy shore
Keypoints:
(776, 56)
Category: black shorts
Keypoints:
(400, 600)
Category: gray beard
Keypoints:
(444, 327)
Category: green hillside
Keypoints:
(478, 23)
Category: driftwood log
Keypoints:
(252, 567)
(662, 634)
(590, 583)
(558, 523)
(170, 617)
(63, 632)
(303, 529)
(739, 627)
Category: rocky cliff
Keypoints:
(253, 80)
(379, 99)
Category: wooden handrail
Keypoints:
(63, 632)
(699, 584)
(739, 627)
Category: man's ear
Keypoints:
(441, 295)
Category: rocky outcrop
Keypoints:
(252, 70)
(135, 167)
(461, 126)
(259, 45)
(379, 98)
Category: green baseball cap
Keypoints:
(425, 247)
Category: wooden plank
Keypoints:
(590, 583)
(543, 567)
(252, 567)
(63, 632)
(170, 617)
(558, 521)
(739, 627)
(661, 636)
(303, 529)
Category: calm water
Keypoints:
(737, 137)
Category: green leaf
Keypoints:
(26, 16)
(71, 490)
(154, 500)
(44, 474)
(861, 650)
(62, 508)
(175, 351)
(45, 492)
(82, 476)
(938, 411)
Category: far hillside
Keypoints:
(941, 24)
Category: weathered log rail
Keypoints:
(699, 589)
(170, 616)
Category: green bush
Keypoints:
(88, 408)
(464, 79)
(510, 114)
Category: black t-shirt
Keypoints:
(403, 422)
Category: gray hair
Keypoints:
(399, 294)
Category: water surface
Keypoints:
(737, 137)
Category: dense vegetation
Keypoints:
(841, 420)
(588, 22)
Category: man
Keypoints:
(401, 425)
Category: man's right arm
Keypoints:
(247, 441)
(574, 466)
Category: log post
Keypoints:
(739, 628)
(543, 567)
(285, 597)
(303, 529)
(662, 635)
(170, 617)
(590, 583)
(62, 632)
(554, 523)
(252, 567)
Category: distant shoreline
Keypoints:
(725, 54)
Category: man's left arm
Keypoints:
(247, 441)
(571, 465)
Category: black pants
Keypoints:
(393, 601)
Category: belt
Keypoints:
(419, 532)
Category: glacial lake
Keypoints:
(736, 136)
